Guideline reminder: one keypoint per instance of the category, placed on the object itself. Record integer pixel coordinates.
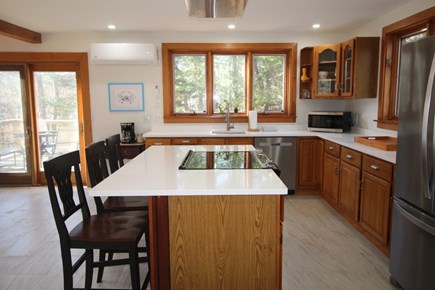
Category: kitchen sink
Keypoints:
(227, 132)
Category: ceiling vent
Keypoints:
(124, 53)
(215, 8)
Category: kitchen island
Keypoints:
(209, 229)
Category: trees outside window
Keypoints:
(201, 80)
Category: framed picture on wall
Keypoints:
(126, 97)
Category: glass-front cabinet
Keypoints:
(327, 64)
(343, 70)
(346, 69)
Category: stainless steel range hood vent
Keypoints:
(215, 8)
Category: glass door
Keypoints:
(56, 111)
(327, 61)
(346, 86)
(15, 153)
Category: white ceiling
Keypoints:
(171, 16)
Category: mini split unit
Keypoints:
(124, 53)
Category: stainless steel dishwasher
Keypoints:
(282, 151)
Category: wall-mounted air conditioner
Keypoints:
(124, 53)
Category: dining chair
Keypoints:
(116, 232)
(98, 171)
(114, 153)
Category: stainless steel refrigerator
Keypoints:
(412, 258)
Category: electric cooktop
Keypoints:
(226, 160)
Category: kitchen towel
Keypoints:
(252, 115)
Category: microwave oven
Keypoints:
(336, 122)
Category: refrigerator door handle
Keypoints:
(428, 115)
(413, 219)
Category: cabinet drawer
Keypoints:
(351, 156)
(332, 148)
(131, 151)
(213, 141)
(184, 141)
(157, 141)
(378, 167)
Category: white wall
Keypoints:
(367, 109)
(105, 123)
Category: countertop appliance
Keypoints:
(127, 133)
(200, 160)
(282, 151)
(335, 122)
(412, 257)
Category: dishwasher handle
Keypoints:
(266, 144)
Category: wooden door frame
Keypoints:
(84, 106)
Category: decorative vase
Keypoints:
(304, 76)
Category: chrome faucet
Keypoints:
(227, 118)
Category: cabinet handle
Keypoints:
(337, 171)
(349, 156)
(331, 148)
(185, 141)
(374, 167)
(158, 143)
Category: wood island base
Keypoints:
(216, 242)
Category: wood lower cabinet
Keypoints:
(349, 189)
(157, 142)
(131, 150)
(331, 178)
(376, 197)
(375, 206)
(309, 165)
(199, 141)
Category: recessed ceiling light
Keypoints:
(111, 26)
(231, 26)
(315, 26)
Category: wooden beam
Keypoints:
(20, 33)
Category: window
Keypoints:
(189, 84)
(200, 81)
(394, 37)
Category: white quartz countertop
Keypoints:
(155, 172)
(344, 139)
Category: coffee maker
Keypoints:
(127, 133)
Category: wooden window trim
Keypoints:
(387, 118)
(290, 49)
(80, 60)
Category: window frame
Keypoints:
(391, 35)
(249, 49)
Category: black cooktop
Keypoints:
(225, 160)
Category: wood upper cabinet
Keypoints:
(331, 177)
(309, 165)
(342, 70)
(326, 70)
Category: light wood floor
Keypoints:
(320, 250)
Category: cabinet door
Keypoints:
(326, 74)
(347, 63)
(309, 163)
(331, 178)
(375, 204)
(349, 189)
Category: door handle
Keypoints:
(428, 117)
